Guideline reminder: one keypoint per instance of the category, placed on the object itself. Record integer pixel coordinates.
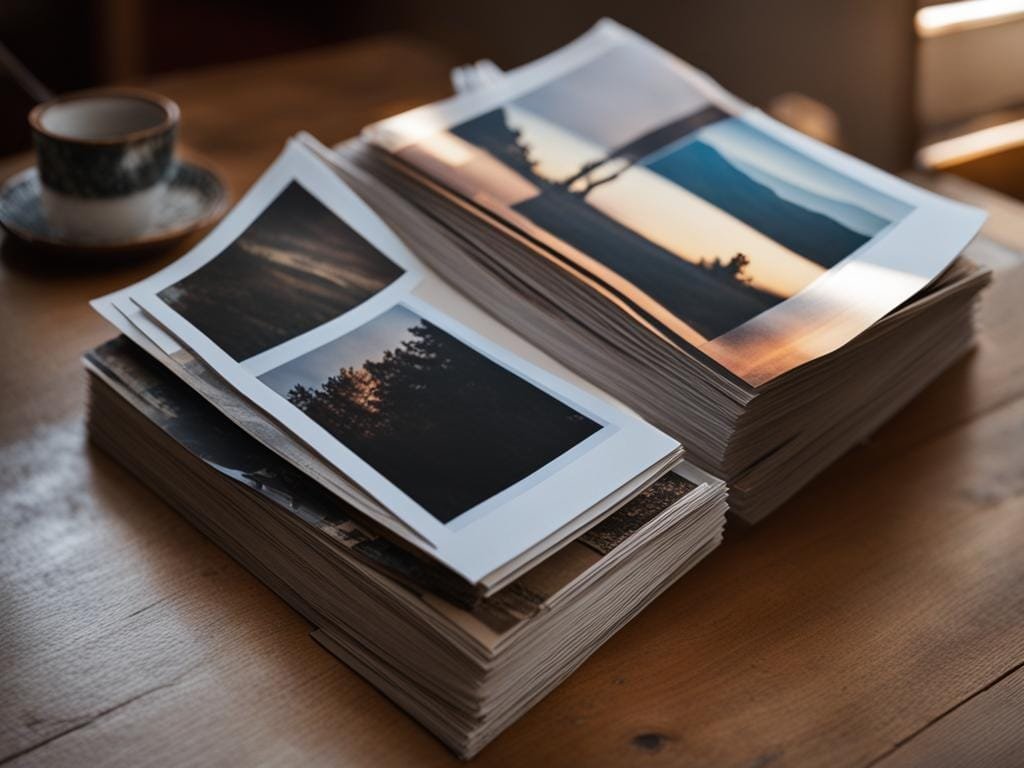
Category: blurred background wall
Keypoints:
(860, 68)
(854, 55)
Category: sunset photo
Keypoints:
(694, 217)
(442, 422)
(294, 268)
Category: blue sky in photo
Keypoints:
(798, 178)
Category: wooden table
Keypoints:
(878, 619)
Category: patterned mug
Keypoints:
(105, 156)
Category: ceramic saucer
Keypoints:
(195, 197)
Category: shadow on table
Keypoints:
(48, 262)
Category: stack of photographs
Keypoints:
(764, 298)
(463, 519)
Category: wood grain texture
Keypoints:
(875, 619)
(987, 729)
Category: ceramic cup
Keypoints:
(104, 156)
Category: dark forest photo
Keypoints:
(294, 268)
(439, 420)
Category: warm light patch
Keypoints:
(469, 173)
(959, 149)
(818, 321)
(449, 148)
(943, 19)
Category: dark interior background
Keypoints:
(855, 56)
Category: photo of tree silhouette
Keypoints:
(294, 268)
(698, 211)
(710, 298)
(441, 421)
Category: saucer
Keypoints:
(195, 197)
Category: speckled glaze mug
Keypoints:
(105, 156)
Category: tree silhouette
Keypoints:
(573, 184)
(442, 422)
(732, 269)
(627, 154)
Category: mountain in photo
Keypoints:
(704, 171)
(850, 215)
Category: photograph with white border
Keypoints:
(724, 230)
(594, 450)
(455, 430)
(298, 252)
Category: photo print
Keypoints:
(294, 268)
(706, 220)
(444, 423)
